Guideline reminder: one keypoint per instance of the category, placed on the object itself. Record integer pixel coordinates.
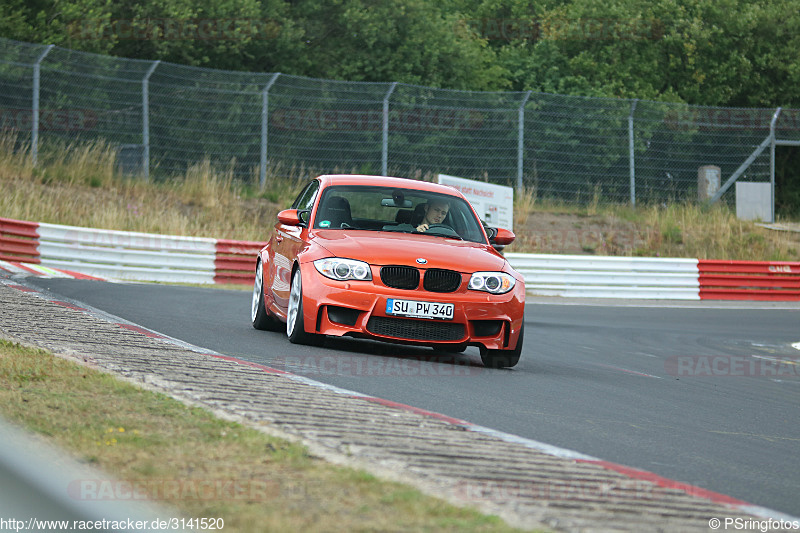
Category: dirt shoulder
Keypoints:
(553, 233)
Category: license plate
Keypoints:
(416, 309)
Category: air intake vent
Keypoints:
(418, 330)
(400, 277)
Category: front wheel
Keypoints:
(503, 358)
(294, 315)
(258, 312)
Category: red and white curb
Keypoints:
(563, 453)
(41, 271)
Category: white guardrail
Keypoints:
(49, 248)
(608, 277)
(151, 257)
(128, 255)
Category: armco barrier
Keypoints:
(152, 257)
(128, 255)
(18, 241)
(235, 261)
(749, 280)
(608, 277)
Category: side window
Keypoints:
(305, 200)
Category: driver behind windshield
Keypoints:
(435, 212)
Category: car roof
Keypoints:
(386, 181)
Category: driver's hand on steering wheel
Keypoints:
(422, 228)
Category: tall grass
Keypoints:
(524, 204)
(712, 232)
(78, 184)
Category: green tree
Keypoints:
(708, 52)
(411, 41)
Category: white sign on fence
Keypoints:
(493, 203)
(754, 201)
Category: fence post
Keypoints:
(385, 129)
(631, 159)
(772, 124)
(521, 139)
(264, 125)
(769, 140)
(35, 106)
(146, 120)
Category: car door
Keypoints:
(286, 242)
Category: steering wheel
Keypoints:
(444, 228)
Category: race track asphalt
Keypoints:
(706, 394)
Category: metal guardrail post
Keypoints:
(631, 156)
(35, 106)
(757, 152)
(146, 120)
(385, 130)
(521, 139)
(772, 162)
(264, 127)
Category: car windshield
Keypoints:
(361, 207)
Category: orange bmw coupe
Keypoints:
(390, 259)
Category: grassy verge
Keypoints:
(677, 230)
(176, 453)
(78, 185)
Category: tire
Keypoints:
(258, 312)
(503, 358)
(294, 315)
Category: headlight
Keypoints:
(343, 269)
(493, 282)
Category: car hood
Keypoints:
(384, 248)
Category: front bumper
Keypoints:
(358, 308)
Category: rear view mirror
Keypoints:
(391, 202)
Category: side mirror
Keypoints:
(502, 237)
(290, 217)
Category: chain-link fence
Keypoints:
(163, 117)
